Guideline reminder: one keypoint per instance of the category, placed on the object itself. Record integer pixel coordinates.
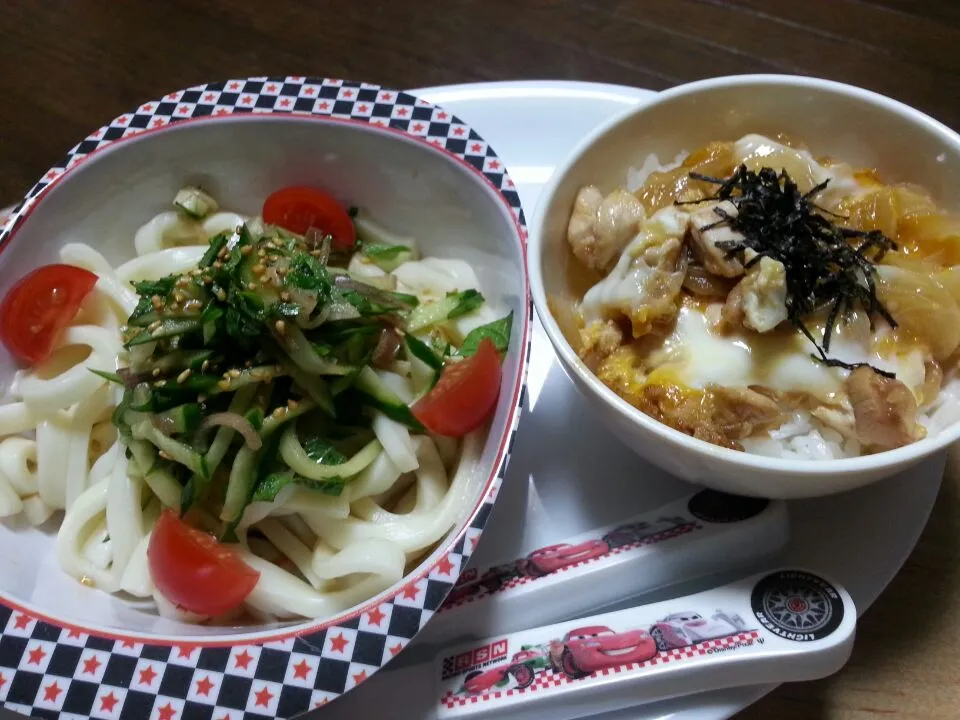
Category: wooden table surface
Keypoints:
(67, 67)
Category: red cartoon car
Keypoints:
(471, 583)
(637, 531)
(553, 557)
(523, 667)
(588, 649)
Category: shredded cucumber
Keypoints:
(243, 474)
(195, 203)
(297, 459)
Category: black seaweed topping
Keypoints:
(827, 265)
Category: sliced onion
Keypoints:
(130, 378)
(342, 311)
(319, 320)
(163, 424)
(568, 318)
(700, 282)
(345, 282)
(256, 227)
(237, 422)
(382, 282)
(306, 299)
(318, 240)
(393, 320)
(386, 350)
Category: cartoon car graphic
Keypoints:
(681, 629)
(637, 531)
(523, 667)
(589, 649)
(554, 557)
(471, 583)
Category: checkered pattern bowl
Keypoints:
(69, 651)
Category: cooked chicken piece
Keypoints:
(598, 340)
(718, 415)
(707, 229)
(646, 282)
(600, 227)
(759, 301)
(731, 314)
(698, 281)
(884, 409)
(840, 419)
(739, 412)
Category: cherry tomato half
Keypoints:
(38, 308)
(298, 209)
(194, 571)
(465, 394)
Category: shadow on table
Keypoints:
(915, 611)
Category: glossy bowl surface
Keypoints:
(841, 121)
(411, 165)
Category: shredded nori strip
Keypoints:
(827, 265)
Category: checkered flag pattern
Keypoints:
(551, 678)
(515, 577)
(52, 671)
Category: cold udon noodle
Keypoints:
(317, 554)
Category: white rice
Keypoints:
(944, 411)
(804, 437)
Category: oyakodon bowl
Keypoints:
(411, 166)
(832, 119)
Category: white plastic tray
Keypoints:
(569, 475)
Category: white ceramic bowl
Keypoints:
(409, 164)
(838, 120)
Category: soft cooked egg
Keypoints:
(758, 151)
(623, 288)
(695, 355)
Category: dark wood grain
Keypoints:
(68, 67)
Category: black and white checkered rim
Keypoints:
(50, 668)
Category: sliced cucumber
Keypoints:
(296, 459)
(388, 257)
(180, 419)
(371, 232)
(425, 365)
(174, 449)
(249, 466)
(161, 482)
(313, 386)
(452, 306)
(175, 362)
(268, 488)
(378, 395)
(195, 203)
(170, 327)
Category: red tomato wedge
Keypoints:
(194, 571)
(38, 308)
(298, 209)
(465, 394)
